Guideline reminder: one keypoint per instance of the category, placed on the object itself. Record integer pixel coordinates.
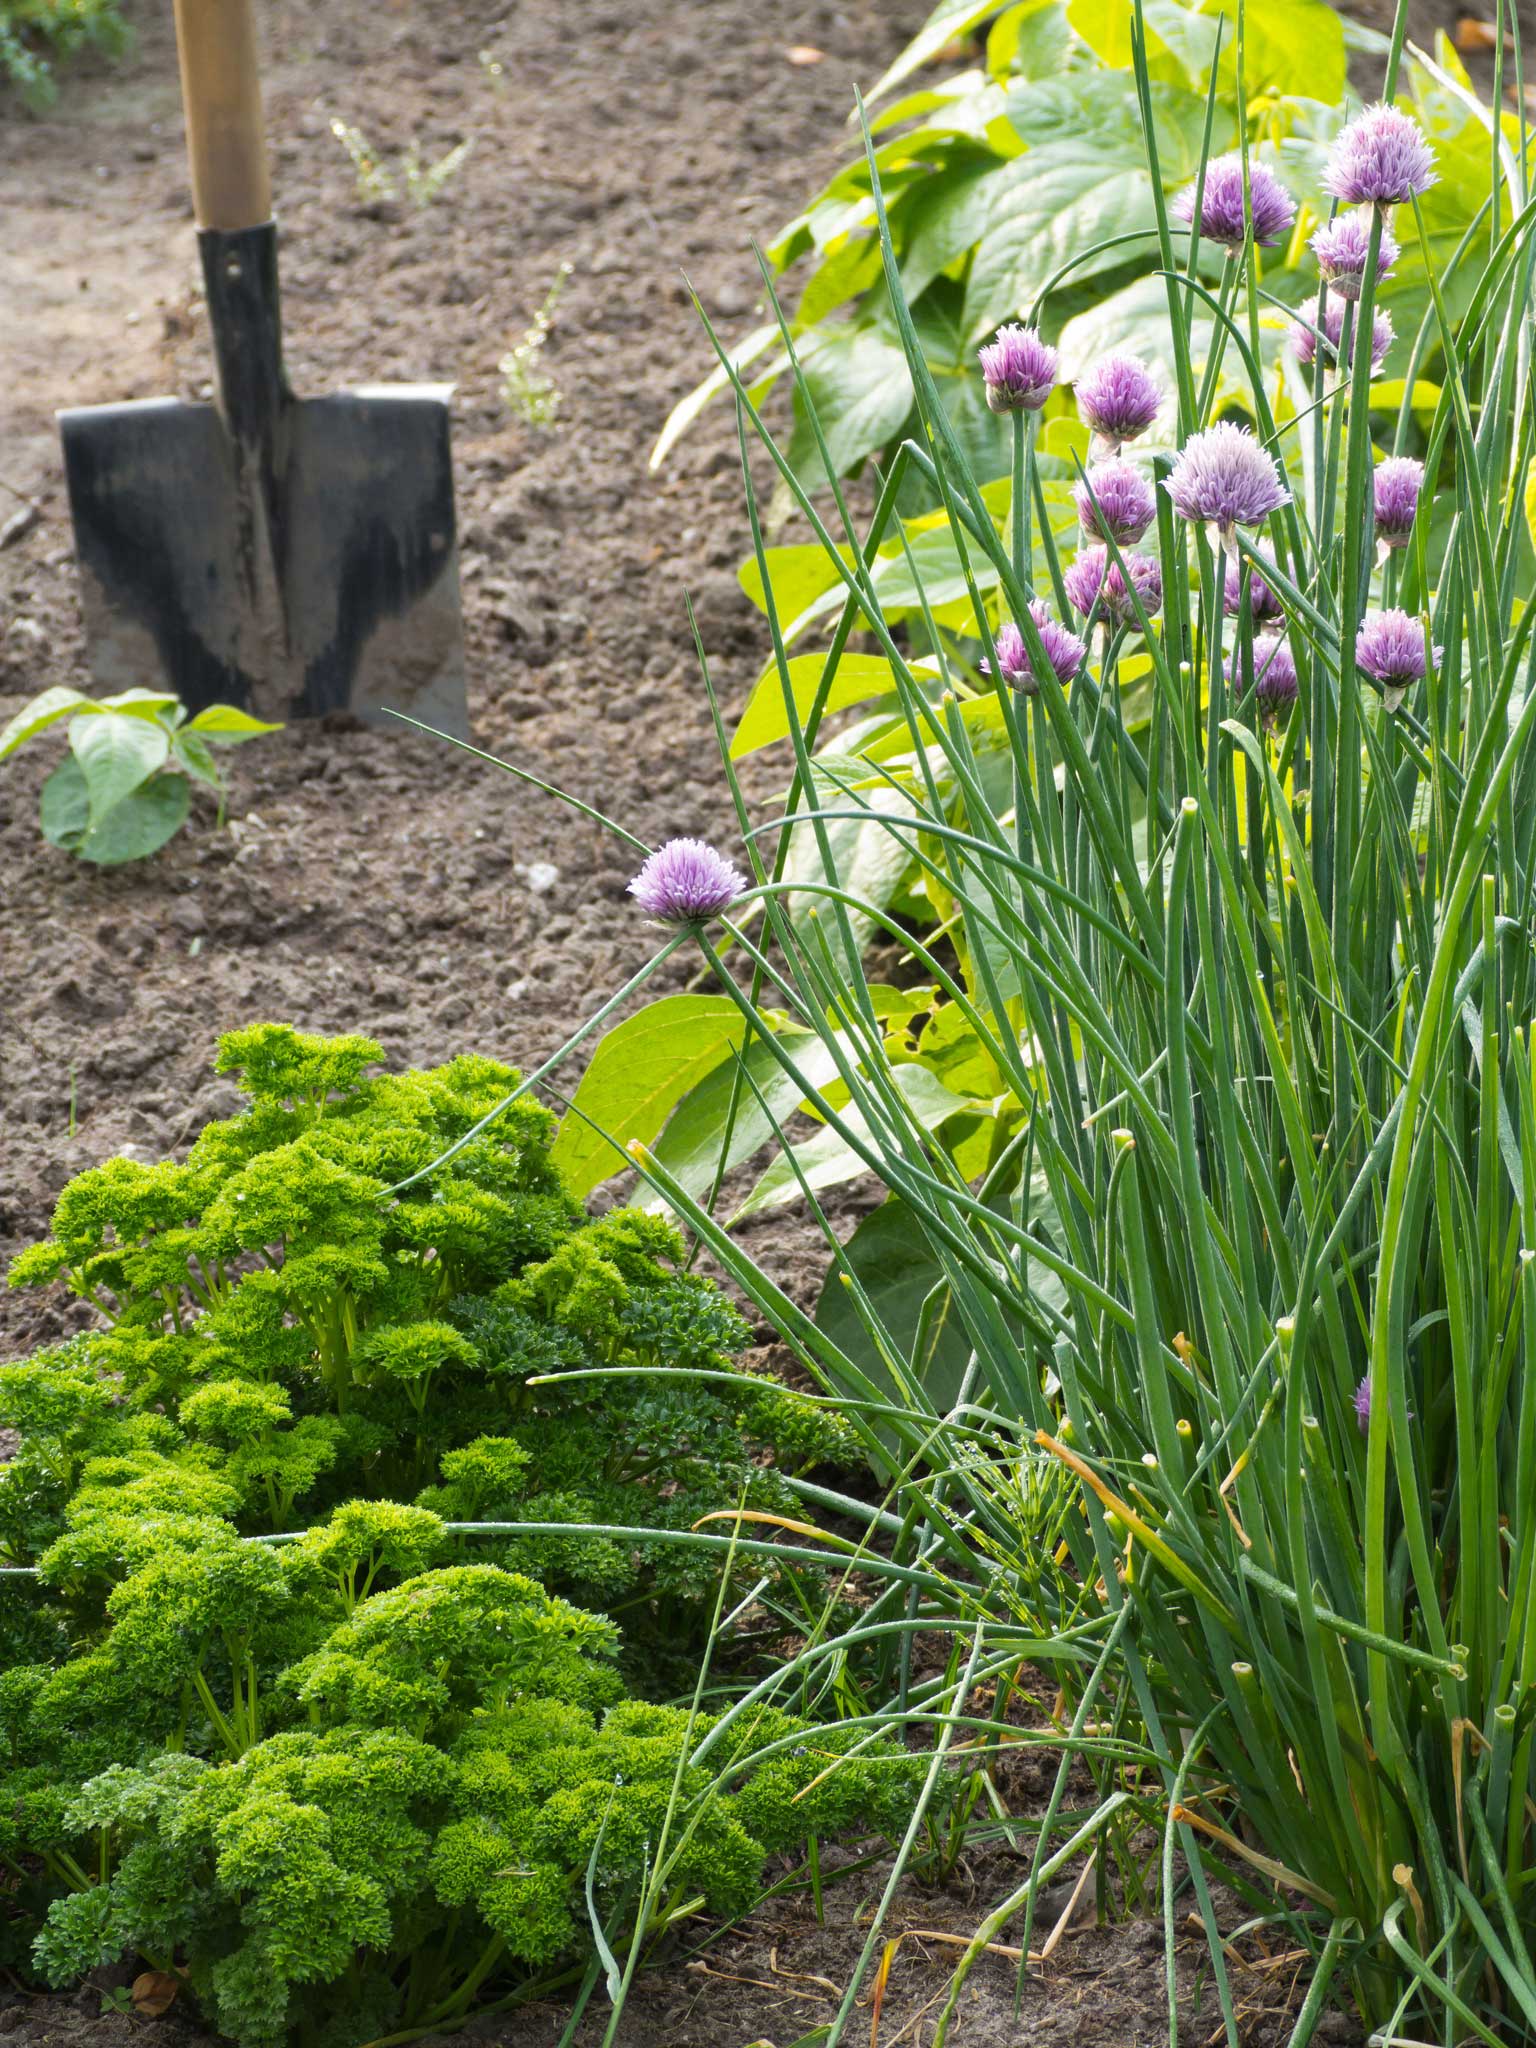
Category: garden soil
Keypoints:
(384, 882)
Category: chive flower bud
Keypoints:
(686, 882)
(1063, 650)
(1381, 159)
(1397, 482)
(1274, 675)
(1223, 217)
(1115, 502)
(1094, 579)
(1117, 400)
(1391, 649)
(1019, 369)
(1304, 337)
(1224, 478)
(1264, 603)
(1343, 248)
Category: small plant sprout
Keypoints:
(528, 392)
(125, 786)
(375, 186)
(380, 181)
(425, 182)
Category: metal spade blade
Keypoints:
(292, 556)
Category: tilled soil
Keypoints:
(367, 879)
(384, 882)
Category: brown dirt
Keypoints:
(382, 882)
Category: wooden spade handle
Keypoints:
(221, 91)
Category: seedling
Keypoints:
(125, 786)
(379, 181)
(528, 392)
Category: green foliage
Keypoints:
(358, 1870)
(125, 787)
(285, 1336)
(1022, 185)
(34, 34)
(274, 1761)
(1202, 1334)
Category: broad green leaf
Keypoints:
(141, 823)
(36, 717)
(800, 575)
(898, 1272)
(951, 18)
(826, 1160)
(858, 381)
(1282, 45)
(64, 807)
(946, 219)
(869, 861)
(1034, 40)
(143, 703)
(641, 1069)
(116, 752)
(765, 719)
(1105, 26)
(191, 751)
(1060, 202)
(225, 726)
(688, 409)
(1133, 318)
(690, 1146)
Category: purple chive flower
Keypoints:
(1115, 502)
(1363, 1406)
(1264, 602)
(1118, 399)
(1380, 160)
(1274, 675)
(1222, 216)
(686, 882)
(1397, 482)
(1063, 650)
(1019, 369)
(1304, 337)
(1343, 248)
(1094, 579)
(1390, 650)
(1225, 479)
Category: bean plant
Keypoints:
(1194, 1337)
(124, 789)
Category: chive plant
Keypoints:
(1256, 1471)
